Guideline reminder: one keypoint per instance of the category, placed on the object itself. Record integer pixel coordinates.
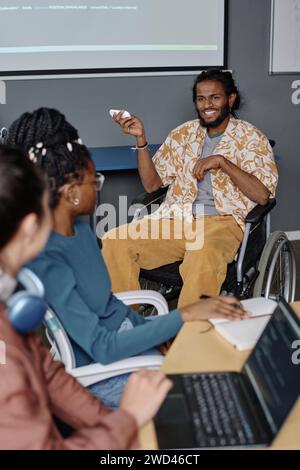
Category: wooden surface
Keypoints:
(195, 350)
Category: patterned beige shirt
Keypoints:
(242, 144)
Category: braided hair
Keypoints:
(53, 143)
(227, 81)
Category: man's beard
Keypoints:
(225, 111)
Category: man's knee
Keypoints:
(115, 234)
(110, 235)
(206, 259)
(112, 244)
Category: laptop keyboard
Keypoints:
(218, 418)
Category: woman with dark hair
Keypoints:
(101, 328)
(34, 388)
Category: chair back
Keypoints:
(61, 348)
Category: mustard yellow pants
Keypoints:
(205, 247)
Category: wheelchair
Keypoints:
(263, 267)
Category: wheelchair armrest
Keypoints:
(149, 198)
(149, 297)
(93, 373)
(259, 212)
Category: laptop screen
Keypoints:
(273, 367)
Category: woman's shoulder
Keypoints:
(63, 252)
(58, 243)
(82, 228)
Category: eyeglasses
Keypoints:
(98, 181)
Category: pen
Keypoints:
(252, 317)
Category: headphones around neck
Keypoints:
(26, 307)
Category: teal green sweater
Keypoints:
(77, 286)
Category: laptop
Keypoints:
(237, 409)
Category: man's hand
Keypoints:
(131, 126)
(247, 183)
(134, 126)
(205, 164)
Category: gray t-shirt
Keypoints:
(205, 194)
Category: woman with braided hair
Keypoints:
(101, 328)
(36, 393)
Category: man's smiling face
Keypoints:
(212, 103)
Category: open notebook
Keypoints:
(243, 334)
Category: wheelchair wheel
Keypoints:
(277, 269)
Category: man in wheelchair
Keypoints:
(217, 169)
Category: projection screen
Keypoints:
(95, 36)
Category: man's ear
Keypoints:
(70, 192)
(231, 99)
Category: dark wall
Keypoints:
(165, 102)
(267, 100)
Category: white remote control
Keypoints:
(125, 114)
